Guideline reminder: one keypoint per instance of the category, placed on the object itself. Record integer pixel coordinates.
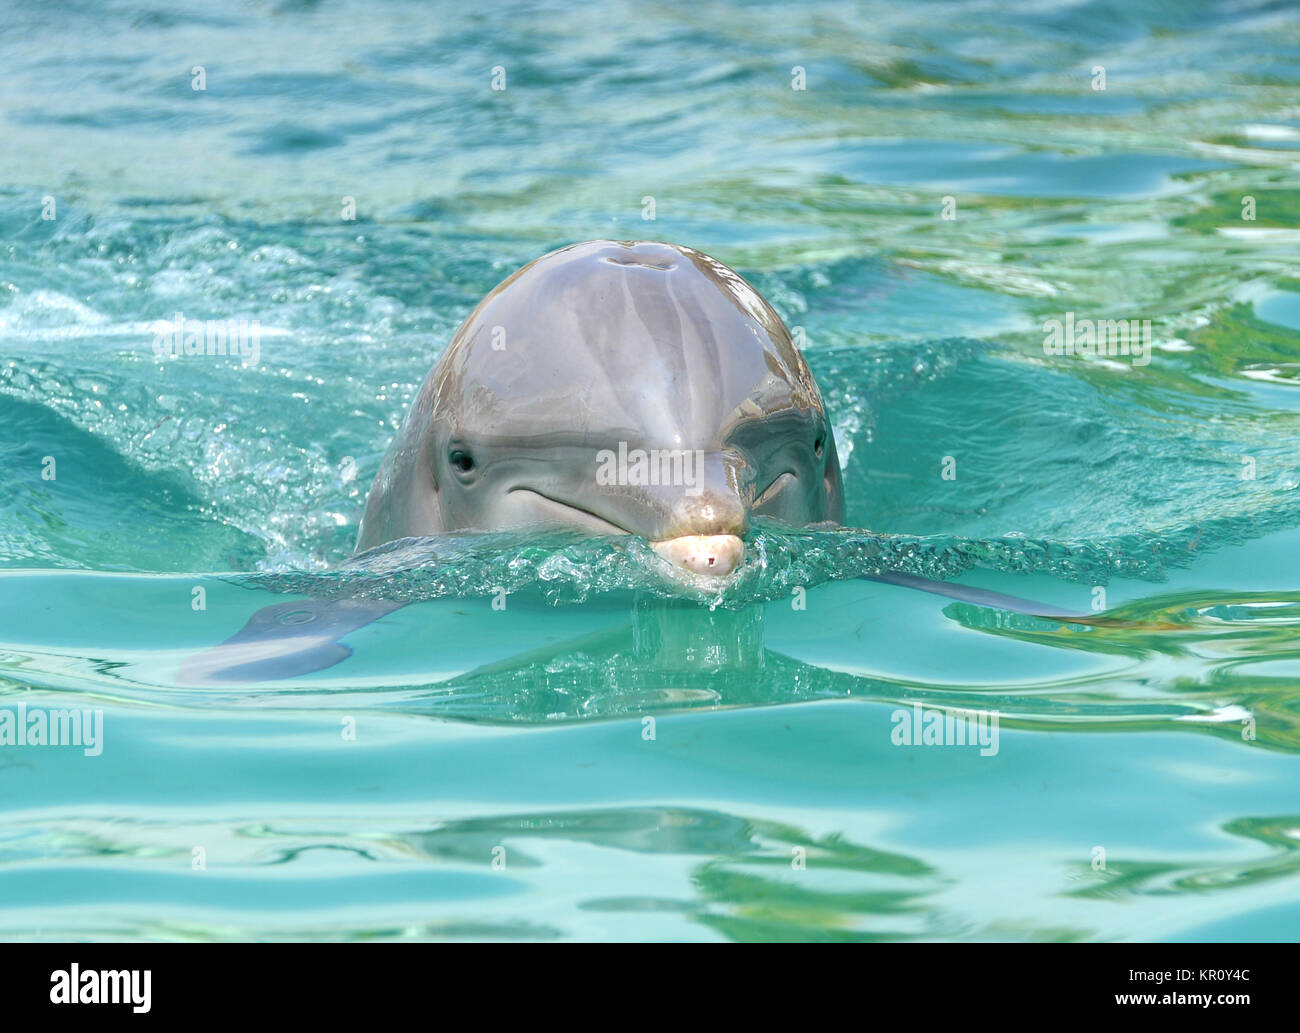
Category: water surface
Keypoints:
(477, 772)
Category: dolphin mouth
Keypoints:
(715, 555)
(774, 489)
(593, 522)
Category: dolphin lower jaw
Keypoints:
(710, 554)
(705, 536)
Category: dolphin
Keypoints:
(615, 387)
(609, 387)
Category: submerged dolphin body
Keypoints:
(609, 387)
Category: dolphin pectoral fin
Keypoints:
(284, 641)
(979, 596)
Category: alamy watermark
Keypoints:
(240, 338)
(922, 726)
(41, 726)
(71, 985)
(678, 467)
(1106, 338)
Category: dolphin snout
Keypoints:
(716, 554)
(705, 533)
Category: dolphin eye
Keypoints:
(819, 446)
(461, 461)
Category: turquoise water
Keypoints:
(613, 756)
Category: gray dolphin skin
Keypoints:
(612, 387)
(615, 387)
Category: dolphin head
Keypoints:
(615, 387)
